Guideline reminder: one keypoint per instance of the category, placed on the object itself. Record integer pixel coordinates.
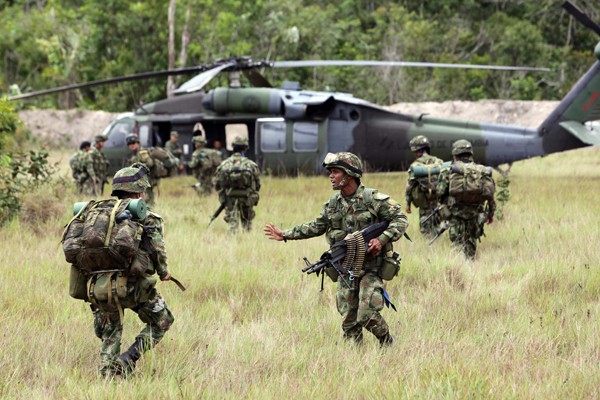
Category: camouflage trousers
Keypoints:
(429, 228)
(360, 308)
(464, 234)
(206, 186)
(108, 328)
(239, 209)
(89, 188)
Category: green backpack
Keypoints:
(104, 235)
(237, 175)
(471, 183)
(427, 176)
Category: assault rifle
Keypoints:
(443, 228)
(335, 255)
(216, 214)
(435, 211)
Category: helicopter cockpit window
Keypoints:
(272, 136)
(306, 136)
(116, 136)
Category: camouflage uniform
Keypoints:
(82, 166)
(142, 155)
(239, 201)
(142, 298)
(466, 220)
(203, 165)
(428, 228)
(175, 149)
(342, 215)
(100, 164)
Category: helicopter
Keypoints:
(291, 130)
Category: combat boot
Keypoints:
(386, 340)
(126, 362)
(357, 338)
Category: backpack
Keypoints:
(164, 161)
(104, 235)
(237, 175)
(427, 176)
(471, 183)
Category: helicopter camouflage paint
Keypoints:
(291, 130)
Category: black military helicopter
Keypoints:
(290, 130)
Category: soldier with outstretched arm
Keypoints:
(353, 208)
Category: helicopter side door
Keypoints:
(290, 147)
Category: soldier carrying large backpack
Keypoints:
(422, 183)
(467, 191)
(114, 248)
(238, 182)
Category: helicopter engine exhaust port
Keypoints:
(243, 100)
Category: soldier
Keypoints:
(142, 298)
(174, 147)
(218, 146)
(420, 190)
(156, 167)
(82, 167)
(100, 163)
(353, 208)
(204, 164)
(238, 182)
(468, 197)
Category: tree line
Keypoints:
(49, 43)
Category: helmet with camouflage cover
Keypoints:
(133, 179)
(462, 146)
(348, 162)
(199, 140)
(240, 141)
(419, 142)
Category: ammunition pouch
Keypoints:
(390, 266)
(144, 288)
(78, 284)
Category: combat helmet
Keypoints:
(133, 179)
(132, 138)
(348, 162)
(419, 142)
(462, 146)
(240, 141)
(199, 140)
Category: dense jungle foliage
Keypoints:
(48, 43)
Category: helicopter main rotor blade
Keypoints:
(143, 75)
(369, 63)
(256, 78)
(581, 17)
(199, 81)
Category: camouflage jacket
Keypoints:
(346, 214)
(155, 244)
(174, 148)
(237, 161)
(100, 164)
(143, 156)
(82, 165)
(412, 181)
(204, 161)
(464, 211)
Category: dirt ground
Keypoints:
(73, 126)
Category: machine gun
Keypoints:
(335, 255)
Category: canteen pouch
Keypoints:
(140, 264)
(390, 266)
(103, 285)
(77, 284)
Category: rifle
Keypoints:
(435, 211)
(335, 255)
(445, 226)
(216, 214)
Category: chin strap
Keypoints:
(342, 183)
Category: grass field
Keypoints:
(521, 321)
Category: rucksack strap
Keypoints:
(111, 222)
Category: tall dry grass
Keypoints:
(521, 321)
